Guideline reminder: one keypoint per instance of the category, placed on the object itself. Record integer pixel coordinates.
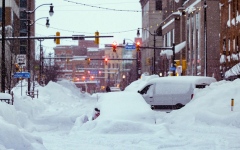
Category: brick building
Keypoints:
(11, 19)
(229, 35)
(27, 5)
(86, 75)
(151, 19)
(198, 25)
(113, 68)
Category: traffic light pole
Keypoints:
(154, 51)
(173, 58)
(73, 37)
(3, 71)
(163, 48)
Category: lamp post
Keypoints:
(154, 45)
(3, 70)
(138, 70)
(28, 25)
(124, 41)
(205, 36)
(41, 62)
(29, 52)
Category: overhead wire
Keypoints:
(93, 6)
(88, 32)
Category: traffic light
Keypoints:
(176, 63)
(17, 67)
(88, 60)
(114, 46)
(67, 60)
(83, 78)
(148, 61)
(57, 39)
(96, 37)
(75, 79)
(106, 61)
(138, 46)
(184, 65)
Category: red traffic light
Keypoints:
(138, 43)
(138, 46)
(114, 46)
(106, 60)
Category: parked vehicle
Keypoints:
(173, 92)
(115, 89)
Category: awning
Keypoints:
(178, 48)
(235, 70)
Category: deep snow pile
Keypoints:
(53, 121)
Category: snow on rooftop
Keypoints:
(235, 70)
(92, 48)
(178, 48)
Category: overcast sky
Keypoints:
(74, 17)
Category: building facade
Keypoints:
(27, 5)
(196, 23)
(11, 18)
(229, 35)
(113, 68)
(151, 19)
(88, 75)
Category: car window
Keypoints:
(201, 86)
(150, 91)
(144, 90)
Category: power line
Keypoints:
(102, 7)
(59, 29)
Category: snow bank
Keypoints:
(211, 106)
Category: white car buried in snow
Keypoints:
(174, 91)
(122, 109)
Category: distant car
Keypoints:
(115, 89)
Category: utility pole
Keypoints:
(205, 36)
(173, 58)
(3, 71)
(41, 62)
(154, 51)
(50, 60)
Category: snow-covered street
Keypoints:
(54, 121)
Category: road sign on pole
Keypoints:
(21, 75)
(21, 59)
(130, 47)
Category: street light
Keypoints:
(154, 45)
(29, 24)
(138, 70)
(127, 39)
(3, 64)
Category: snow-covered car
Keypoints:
(173, 92)
(124, 106)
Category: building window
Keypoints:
(159, 31)
(1, 14)
(23, 15)
(146, 9)
(23, 26)
(173, 37)
(23, 3)
(158, 4)
(23, 49)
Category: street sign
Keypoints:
(172, 68)
(179, 69)
(21, 59)
(21, 75)
(130, 47)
